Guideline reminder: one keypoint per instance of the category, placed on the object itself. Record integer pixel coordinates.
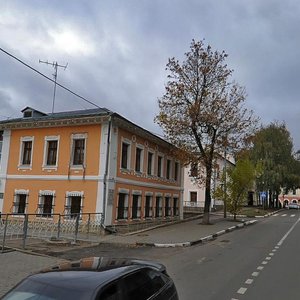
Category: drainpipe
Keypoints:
(106, 171)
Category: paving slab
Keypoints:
(17, 265)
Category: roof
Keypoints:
(59, 115)
(75, 117)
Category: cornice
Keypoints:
(24, 124)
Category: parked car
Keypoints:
(98, 278)
(293, 205)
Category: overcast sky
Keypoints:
(117, 52)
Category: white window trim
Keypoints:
(141, 147)
(193, 191)
(21, 152)
(159, 154)
(40, 202)
(126, 204)
(171, 169)
(128, 142)
(78, 136)
(151, 206)
(139, 197)
(178, 171)
(20, 192)
(152, 163)
(70, 194)
(46, 145)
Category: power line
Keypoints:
(60, 85)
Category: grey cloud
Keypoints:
(132, 41)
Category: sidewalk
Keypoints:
(181, 234)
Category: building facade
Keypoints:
(194, 193)
(89, 161)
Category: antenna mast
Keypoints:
(55, 65)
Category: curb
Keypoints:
(201, 240)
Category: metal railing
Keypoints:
(56, 226)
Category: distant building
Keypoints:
(87, 161)
(194, 193)
(291, 197)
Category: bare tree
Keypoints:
(202, 111)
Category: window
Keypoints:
(158, 208)
(138, 160)
(78, 151)
(175, 207)
(26, 152)
(27, 114)
(45, 206)
(51, 152)
(150, 163)
(168, 175)
(74, 205)
(167, 206)
(159, 166)
(148, 207)
(125, 156)
(19, 206)
(111, 292)
(142, 284)
(193, 196)
(122, 208)
(194, 170)
(176, 174)
(136, 209)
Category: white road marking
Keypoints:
(275, 215)
(293, 216)
(242, 291)
(287, 234)
(284, 215)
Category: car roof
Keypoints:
(83, 280)
(99, 264)
(92, 272)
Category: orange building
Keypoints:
(87, 161)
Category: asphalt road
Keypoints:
(257, 262)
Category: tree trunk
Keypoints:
(207, 203)
(277, 200)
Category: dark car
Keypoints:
(98, 278)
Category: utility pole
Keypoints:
(55, 65)
(225, 182)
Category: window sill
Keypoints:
(77, 167)
(49, 168)
(25, 167)
(44, 218)
(18, 215)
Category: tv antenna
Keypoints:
(55, 65)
